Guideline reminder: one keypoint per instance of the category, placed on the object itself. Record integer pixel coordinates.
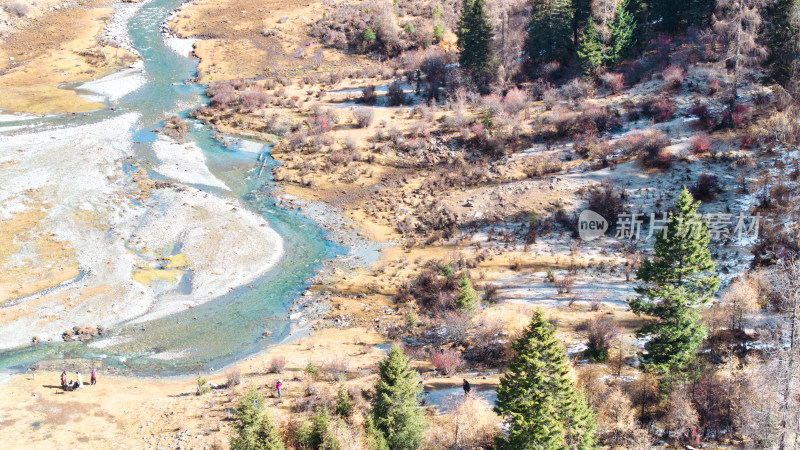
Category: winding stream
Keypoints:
(228, 328)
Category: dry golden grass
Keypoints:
(58, 47)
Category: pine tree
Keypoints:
(550, 36)
(253, 429)
(590, 49)
(538, 398)
(475, 39)
(779, 34)
(344, 407)
(395, 412)
(679, 279)
(623, 34)
(467, 298)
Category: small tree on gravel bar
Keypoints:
(395, 412)
(537, 396)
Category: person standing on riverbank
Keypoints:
(466, 387)
(64, 380)
(94, 376)
(80, 380)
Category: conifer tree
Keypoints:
(467, 298)
(344, 407)
(395, 412)
(679, 279)
(537, 396)
(590, 49)
(780, 34)
(253, 429)
(475, 39)
(550, 36)
(623, 34)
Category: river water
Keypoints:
(228, 328)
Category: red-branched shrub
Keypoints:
(673, 76)
(700, 143)
(613, 81)
(447, 362)
(705, 119)
(659, 109)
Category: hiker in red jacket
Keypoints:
(278, 386)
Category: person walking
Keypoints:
(466, 387)
(64, 380)
(279, 386)
(94, 376)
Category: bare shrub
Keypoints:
(234, 378)
(490, 293)
(396, 96)
(17, 8)
(447, 362)
(681, 415)
(660, 109)
(615, 413)
(700, 143)
(613, 81)
(607, 201)
(601, 333)
(222, 94)
(564, 285)
(277, 364)
(649, 147)
(673, 76)
(577, 89)
(704, 117)
(515, 100)
(490, 344)
(336, 368)
(368, 95)
(706, 187)
(176, 128)
(470, 424)
(364, 117)
(253, 98)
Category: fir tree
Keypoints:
(467, 298)
(679, 279)
(590, 49)
(475, 39)
(550, 36)
(395, 412)
(253, 429)
(779, 34)
(623, 34)
(344, 407)
(538, 398)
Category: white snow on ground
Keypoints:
(185, 163)
(534, 289)
(115, 86)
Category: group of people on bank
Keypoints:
(77, 383)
